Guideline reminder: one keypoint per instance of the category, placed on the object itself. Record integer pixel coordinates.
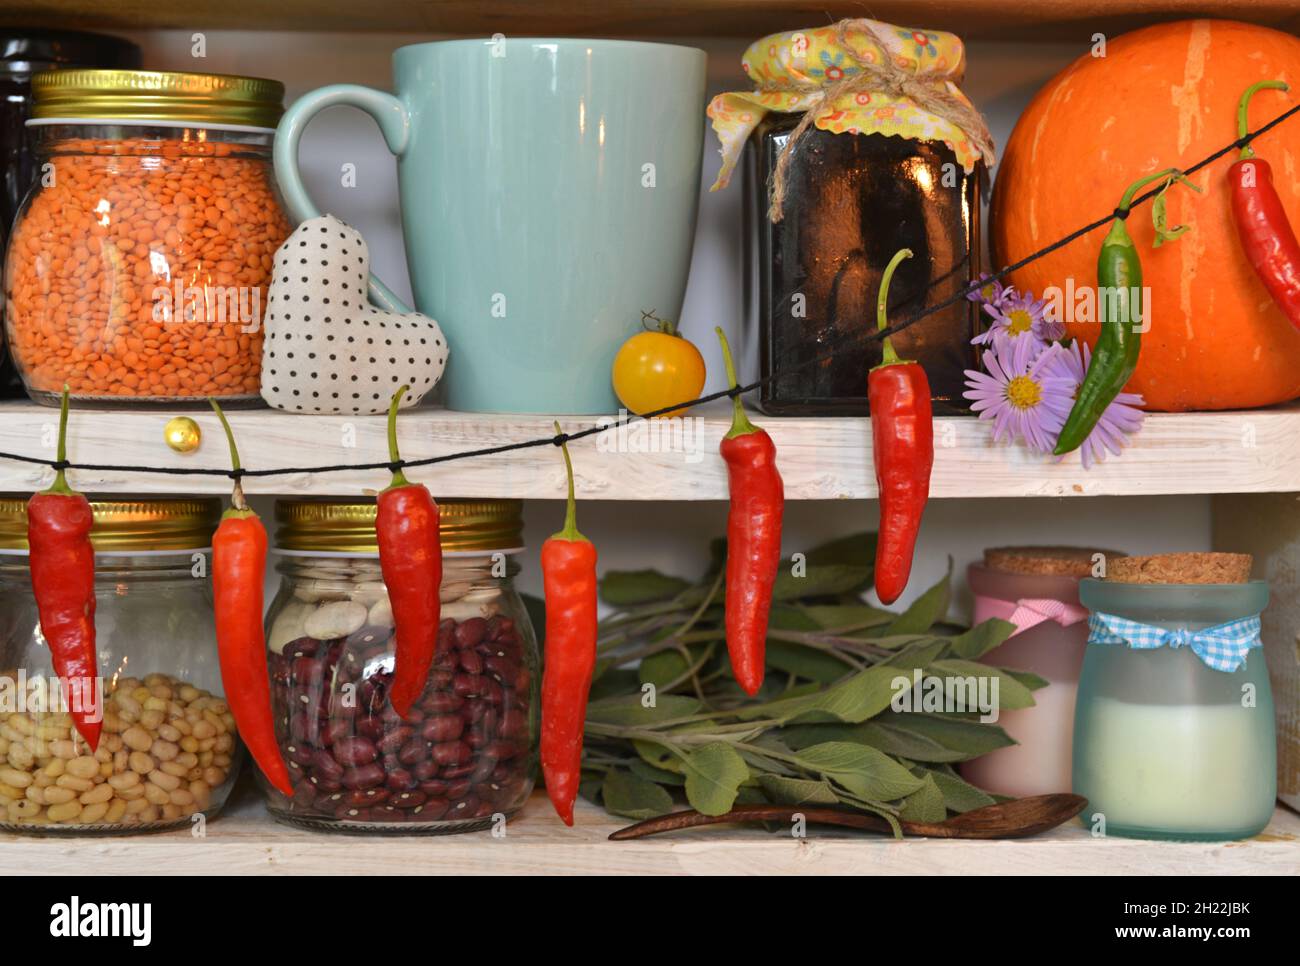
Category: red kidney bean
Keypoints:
(354, 751)
(393, 740)
(501, 668)
(366, 796)
(435, 788)
(368, 636)
(441, 703)
(441, 679)
(432, 810)
(446, 633)
(457, 790)
(483, 769)
(465, 808)
(514, 724)
(330, 801)
(470, 685)
(494, 692)
(442, 727)
(477, 738)
(470, 662)
(470, 632)
(451, 753)
(457, 772)
(299, 754)
(325, 785)
(413, 752)
(324, 766)
(426, 769)
(304, 793)
(363, 776)
(500, 626)
(501, 750)
(523, 680)
(336, 729)
(445, 659)
(351, 813)
(409, 799)
(302, 647)
(399, 779)
(370, 727)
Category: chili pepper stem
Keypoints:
(570, 531)
(740, 424)
(1243, 124)
(60, 484)
(888, 357)
(399, 478)
(237, 501)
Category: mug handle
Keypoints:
(394, 123)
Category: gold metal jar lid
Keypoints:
(327, 526)
(128, 526)
(168, 97)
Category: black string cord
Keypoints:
(864, 337)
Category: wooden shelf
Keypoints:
(820, 459)
(1038, 20)
(245, 841)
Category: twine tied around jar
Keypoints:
(928, 92)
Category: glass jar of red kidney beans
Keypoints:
(465, 756)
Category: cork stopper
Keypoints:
(1181, 568)
(1045, 561)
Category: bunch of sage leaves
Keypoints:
(666, 720)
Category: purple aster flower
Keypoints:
(1121, 418)
(1021, 393)
(1020, 315)
(991, 291)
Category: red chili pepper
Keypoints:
(569, 584)
(1266, 234)
(410, 557)
(62, 563)
(753, 537)
(902, 443)
(238, 575)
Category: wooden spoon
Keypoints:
(1004, 820)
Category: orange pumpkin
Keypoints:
(1165, 96)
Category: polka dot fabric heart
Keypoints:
(326, 348)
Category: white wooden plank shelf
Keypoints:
(820, 459)
(245, 841)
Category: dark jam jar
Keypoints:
(851, 202)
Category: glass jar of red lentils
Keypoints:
(138, 265)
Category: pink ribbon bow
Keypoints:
(1030, 612)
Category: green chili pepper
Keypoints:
(1119, 297)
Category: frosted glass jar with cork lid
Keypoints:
(1174, 733)
(1037, 590)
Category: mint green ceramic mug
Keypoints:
(548, 192)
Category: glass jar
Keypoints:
(1049, 642)
(466, 754)
(23, 53)
(1166, 747)
(851, 202)
(168, 748)
(138, 266)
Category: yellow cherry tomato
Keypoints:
(656, 369)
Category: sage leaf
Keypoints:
(629, 588)
(798, 791)
(926, 804)
(661, 776)
(887, 738)
(608, 681)
(919, 654)
(658, 756)
(1012, 695)
(981, 639)
(856, 698)
(662, 667)
(806, 662)
(925, 610)
(962, 735)
(861, 769)
(627, 710)
(714, 773)
(820, 581)
(958, 794)
(625, 793)
(1028, 678)
(849, 620)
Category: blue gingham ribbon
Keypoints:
(1222, 647)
